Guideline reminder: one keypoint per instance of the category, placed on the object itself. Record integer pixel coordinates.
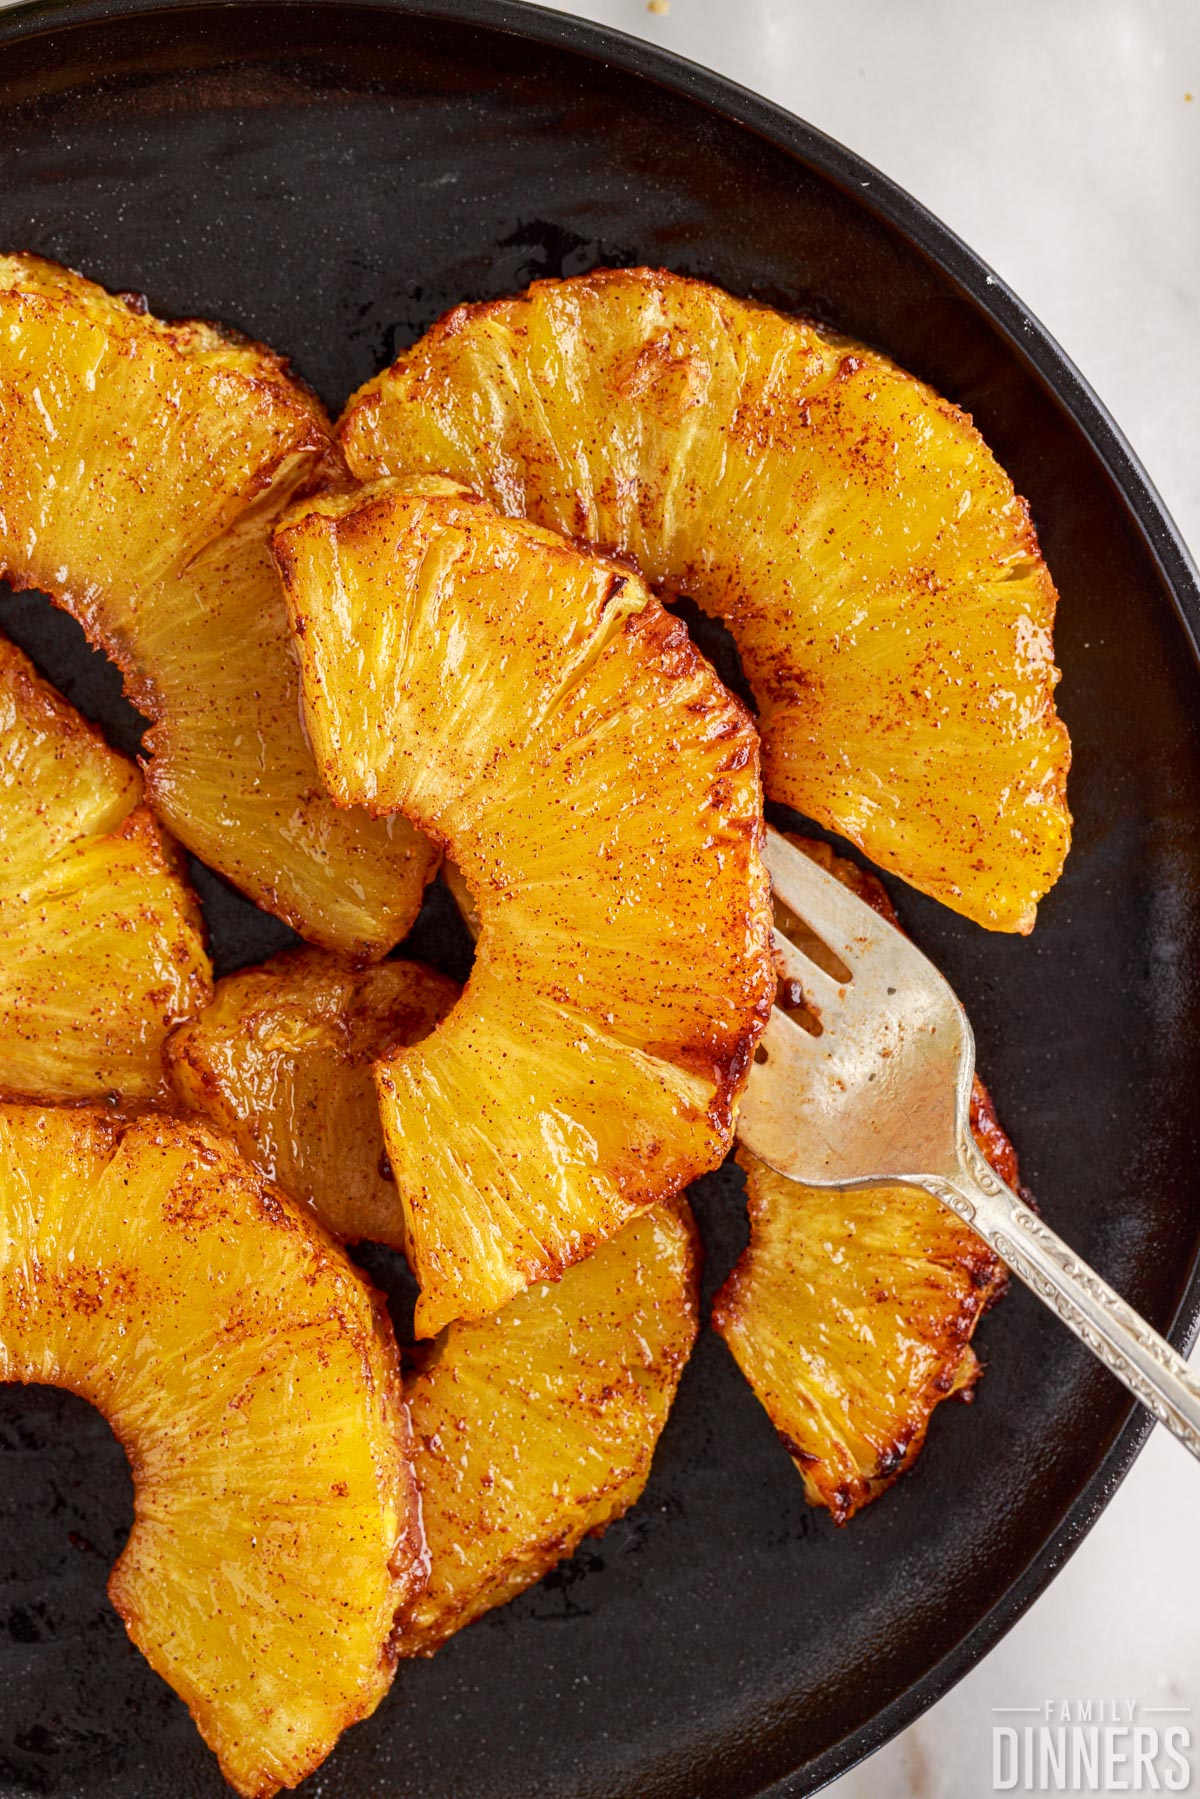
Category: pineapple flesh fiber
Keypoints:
(283, 1060)
(881, 578)
(251, 1375)
(535, 710)
(537, 1426)
(142, 466)
(101, 940)
(851, 1314)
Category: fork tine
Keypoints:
(776, 1120)
(848, 927)
(817, 986)
(880, 1090)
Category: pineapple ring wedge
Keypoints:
(851, 1314)
(536, 711)
(142, 466)
(101, 940)
(282, 1061)
(537, 1427)
(252, 1377)
(880, 577)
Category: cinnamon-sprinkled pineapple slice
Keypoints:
(283, 1061)
(879, 574)
(538, 713)
(101, 943)
(142, 466)
(252, 1377)
(851, 1314)
(537, 1426)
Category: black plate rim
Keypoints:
(1039, 351)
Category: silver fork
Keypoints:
(882, 1094)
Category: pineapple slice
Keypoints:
(145, 465)
(851, 1314)
(101, 942)
(282, 1061)
(251, 1374)
(538, 713)
(881, 578)
(537, 1427)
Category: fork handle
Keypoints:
(1087, 1305)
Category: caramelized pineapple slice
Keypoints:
(537, 712)
(145, 466)
(282, 1061)
(851, 1314)
(251, 1374)
(537, 1426)
(101, 943)
(882, 580)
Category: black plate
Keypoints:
(329, 178)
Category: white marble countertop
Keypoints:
(1059, 138)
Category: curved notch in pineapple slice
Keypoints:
(851, 1314)
(101, 941)
(282, 1060)
(882, 580)
(252, 1377)
(146, 464)
(538, 713)
(537, 1426)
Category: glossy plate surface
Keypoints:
(329, 178)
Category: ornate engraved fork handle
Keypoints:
(1136, 1354)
